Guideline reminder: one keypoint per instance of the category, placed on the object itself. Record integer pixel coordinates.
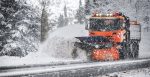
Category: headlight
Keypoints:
(96, 46)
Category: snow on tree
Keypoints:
(44, 25)
(2, 31)
(65, 16)
(7, 9)
(55, 8)
(44, 19)
(22, 22)
(61, 21)
(80, 15)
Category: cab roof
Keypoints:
(105, 17)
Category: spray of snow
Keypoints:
(60, 43)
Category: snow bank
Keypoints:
(33, 58)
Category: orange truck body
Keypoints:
(116, 36)
(109, 53)
(105, 54)
(111, 37)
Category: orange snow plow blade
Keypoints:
(105, 54)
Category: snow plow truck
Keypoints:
(111, 37)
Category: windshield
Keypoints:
(105, 24)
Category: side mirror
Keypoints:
(123, 25)
(87, 25)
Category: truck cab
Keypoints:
(112, 27)
(124, 33)
(111, 37)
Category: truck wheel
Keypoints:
(125, 51)
(122, 51)
(135, 49)
(136, 54)
(122, 56)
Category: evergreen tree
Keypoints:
(87, 7)
(65, 11)
(44, 25)
(80, 15)
(7, 9)
(44, 20)
(61, 22)
(22, 30)
(65, 16)
(63, 19)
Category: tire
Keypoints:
(124, 52)
(134, 49)
(129, 50)
(121, 53)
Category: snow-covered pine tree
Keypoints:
(7, 9)
(80, 15)
(2, 30)
(65, 16)
(44, 20)
(65, 11)
(24, 29)
(88, 7)
(44, 25)
(61, 21)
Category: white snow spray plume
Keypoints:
(60, 43)
(58, 47)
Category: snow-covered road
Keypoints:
(77, 70)
(144, 72)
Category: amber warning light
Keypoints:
(107, 15)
